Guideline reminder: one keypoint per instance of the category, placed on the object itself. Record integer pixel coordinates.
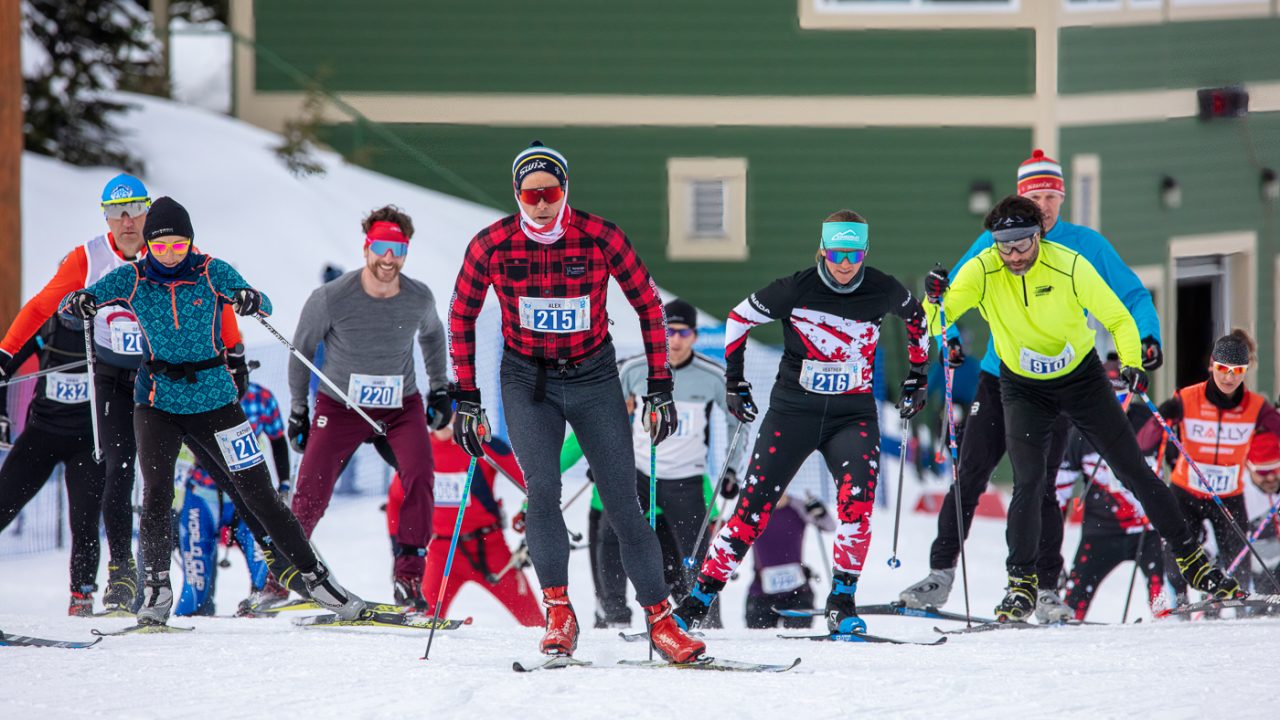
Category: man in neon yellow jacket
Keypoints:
(1034, 294)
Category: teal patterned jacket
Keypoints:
(180, 321)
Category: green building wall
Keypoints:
(747, 47)
(912, 185)
(1217, 165)
(1172, 55)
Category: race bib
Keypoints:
(555, 315)
(782, 578)
(126, 337)
(1219, 479)
(830, 378)
(449, 489)
(376, 391)
(69, 388)
(1037, 364)
(239, 447)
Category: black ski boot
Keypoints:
(1208, 578)
(122, 586)
(694, 608)
(842, 610)
(1020, 601)
(283, 571)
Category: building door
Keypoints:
(1203, 315)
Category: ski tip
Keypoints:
(518, 667)
(467, 620)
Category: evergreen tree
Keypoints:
(90, 46)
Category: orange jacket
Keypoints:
(1218, 441)
(69, 278)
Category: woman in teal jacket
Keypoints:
(185, 393)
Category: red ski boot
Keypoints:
(672, 643)
(561, 637)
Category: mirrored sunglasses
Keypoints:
(161, 247)
(839, 256)
(136, 208)
(382, 247)
(1226, 369)
(535, 195)
(682, 332)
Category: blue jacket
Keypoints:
(180, 321)
(1104, 258)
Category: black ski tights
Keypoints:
(160, 435)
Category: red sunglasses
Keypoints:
(535, 195)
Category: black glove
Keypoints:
(82, 304)
(955, 353)
(936, 284)
(659, 419)
(246, 301)
(1171, 410)
(5, 359)
(815, 510)
(299, 430)
(4, 430)
(914, 392)
(729, 488)
(239, 370)
(1152, 355)
(439, 409)
(470, 427)
(1137, 380)
(738, 397)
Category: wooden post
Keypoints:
(160, 21)
(10, 161)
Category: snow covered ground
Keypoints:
(234, 668)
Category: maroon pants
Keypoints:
(336, 433)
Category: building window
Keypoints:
(927, 6)
(708, 203)
(707, 209)
(1086, 191)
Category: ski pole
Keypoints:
(93, 393)
(1204, 482)
(453, 547)
(41, 373)
(575, 497)
(1257, 533)
(894, 562)
(948, 374)
(653, 498)
(378, 426)
(706, 521)
(1133, 577)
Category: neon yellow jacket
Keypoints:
(1038, 320)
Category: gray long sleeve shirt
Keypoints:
(699, 385)
(371, 338)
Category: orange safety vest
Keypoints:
(1218, 441)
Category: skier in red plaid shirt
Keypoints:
(550, 267)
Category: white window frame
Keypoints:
(932, 7)
(1087, 167)
(682, 242)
